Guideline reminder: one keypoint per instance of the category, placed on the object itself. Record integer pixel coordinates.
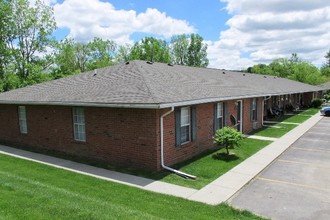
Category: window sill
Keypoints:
(79, 142)
(184, 144)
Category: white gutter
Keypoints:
(263, 109)
(162, 148)
(144, 105)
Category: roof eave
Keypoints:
(149, 105)
(218, 99)
(86, 104)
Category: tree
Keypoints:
(197, 55)
(123, 54)
(72, 57)
(259, 68)
(327, 56)
(228, 137)
(151, 49)
(179, 49)
(6, 24)
(307, 73)
(65, 59)
(293, 68)
(101, 53)
(325, 71)
(30, 36)
(189, 50)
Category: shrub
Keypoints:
(316, 103)
(228, 137)
(327, 97)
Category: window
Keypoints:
(79, 124)
(22, 119)
(219, 116)
(254, 110)
(185, 125)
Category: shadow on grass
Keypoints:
(225, 157)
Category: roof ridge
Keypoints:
(141, 69)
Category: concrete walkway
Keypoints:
(261, 137)
(282, 122)
(214, 193)
(135, 181)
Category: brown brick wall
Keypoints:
(121, 137)
(307, 98)
(205, 131)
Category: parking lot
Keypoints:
(297, 184)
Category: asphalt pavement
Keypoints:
(297, 184)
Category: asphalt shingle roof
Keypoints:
(156, 85)
(325, 85)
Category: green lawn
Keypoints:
(208, 167)
(310, 111)
(280, 129)
(34, 191)
(299, 118)
(277, 131)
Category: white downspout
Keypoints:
(263, 109)
(162, 148)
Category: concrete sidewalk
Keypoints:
(214, 193)
(228, 184)
(131, 180)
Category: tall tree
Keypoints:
(65, 58)
(325, 69)
(293, 68)
(6, 25)
(197, 55)
(31, 34)
(179, 49)
(189, 50)
(151, 49)
(73, 57)
(123, 54)
(327, 57)
(101, 52)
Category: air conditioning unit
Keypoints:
(255, 125)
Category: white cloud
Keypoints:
(260, 31)
(93, 18)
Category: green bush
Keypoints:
(316, 103)
(327, 97)
(228, 137)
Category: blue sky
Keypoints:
(208, 17)
(239, 33)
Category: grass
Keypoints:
(209, 166)
(280, 129)
(277, 131)
(35, 191)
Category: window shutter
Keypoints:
(193, 123)
(225, 114)
(257, 103)
(177, 127)
(215, 121)
(251, 109)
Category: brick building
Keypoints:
(140, 114)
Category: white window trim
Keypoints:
(254, 109)
(79, 135)
(187, 124)
(219, 106)
(22, 119)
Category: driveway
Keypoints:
(297, 184)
